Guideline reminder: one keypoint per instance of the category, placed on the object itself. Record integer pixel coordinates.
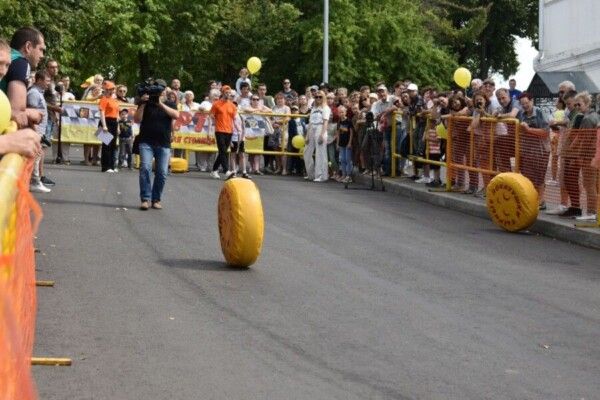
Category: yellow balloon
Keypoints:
(254, 64)
(5, 112)
(298, 142)
(462, 77)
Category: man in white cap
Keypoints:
(382, 111)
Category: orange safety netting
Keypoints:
(478, 150)
(572, 178)
(562, 164)
(18, 294)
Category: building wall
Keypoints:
(570, 37)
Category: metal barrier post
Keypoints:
(393, 146)
(449, 171)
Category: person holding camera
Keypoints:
(155, 119)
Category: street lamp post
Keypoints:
(326, 41)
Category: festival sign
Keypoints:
(80, 121)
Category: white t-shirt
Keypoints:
(237, 128)
(205, 105)
(318, 115)
(194, 107)
(239, 82)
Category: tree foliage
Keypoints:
(129, 40)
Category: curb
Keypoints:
(546, 225)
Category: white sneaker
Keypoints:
(552, 182)
(558, 210)
(110, 171)
(586, 217)
(124, 165)
(116, 170)
(319, 180)
(229, 174)
(215, 175)
(424, 179)
(39, 188)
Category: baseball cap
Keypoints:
(412, 86)
(314, 87)
(108, 85)
(381, 87)
(225, 88)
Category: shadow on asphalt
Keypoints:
(81, 203)
(202, 265)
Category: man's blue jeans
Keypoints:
(148, 190)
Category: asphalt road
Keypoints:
(357, 295)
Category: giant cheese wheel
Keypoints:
(512, 201)
(241, 222)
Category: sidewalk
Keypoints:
(547, 225)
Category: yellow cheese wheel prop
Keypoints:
(241, 222)
(178, 165)
(512, 201)
(5, 112)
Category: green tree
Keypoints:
(482, 33)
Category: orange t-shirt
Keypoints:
(109, 106)
(224, 113)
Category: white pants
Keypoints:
(316, 169)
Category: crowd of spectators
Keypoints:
(349, 132)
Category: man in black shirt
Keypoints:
(155, 119)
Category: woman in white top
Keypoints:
(316, 142)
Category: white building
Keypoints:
(569, 43)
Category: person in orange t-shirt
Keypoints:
(109, 114)
(223, 111)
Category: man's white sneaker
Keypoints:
(424, 179)
(229, 174)
(39, 188)
(586, 217)
(558, 210)
(109, 171)
(215, 175)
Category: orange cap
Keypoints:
(225, 88)
(108, 85)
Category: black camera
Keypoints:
(152, 88)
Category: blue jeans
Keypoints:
(149, 191)
(346, 161)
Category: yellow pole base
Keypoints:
(60, 362)
(44, 283)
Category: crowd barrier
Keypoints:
(19, 218)
(562, 164)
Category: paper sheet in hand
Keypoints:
(104, 136)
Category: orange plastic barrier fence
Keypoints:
(478, 150)
(572, 176)
(17, 279)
